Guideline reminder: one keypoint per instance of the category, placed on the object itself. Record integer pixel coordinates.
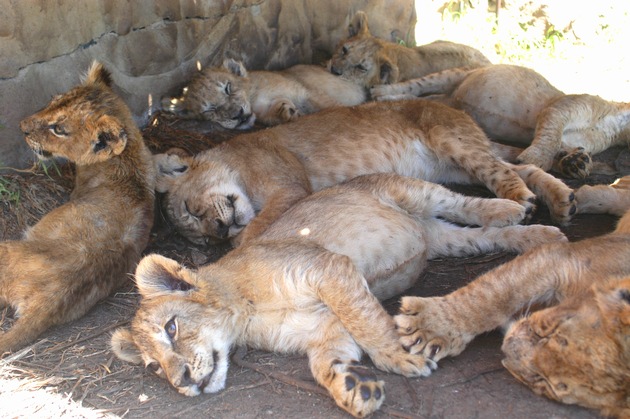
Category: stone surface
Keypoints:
(152, 47)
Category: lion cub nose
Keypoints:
(26, 125)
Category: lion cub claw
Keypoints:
(425, 329)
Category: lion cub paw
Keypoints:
(576, 164)
(356, 389)
(425, 328)
(501, 213)
(287, 111)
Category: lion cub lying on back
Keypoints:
(82, 251)
(235, 190)
(562, 129)
(577, 350)
(302, 286)
(235, 98)
(367, 61)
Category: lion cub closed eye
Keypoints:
(82, 251)
(311, 283)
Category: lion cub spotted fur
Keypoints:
(242, 186)
(302, 286)
(82, 251)
(575, 351)
(368, 61)
(560, 131)
(235, 98)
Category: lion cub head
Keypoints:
(84, 125)
(177, 333)
(205, 199)
(362, 58)
(579, 351)
(217, 94)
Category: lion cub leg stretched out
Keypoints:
(560, 131)
(574, 352)
(82, 251)
(310, 283)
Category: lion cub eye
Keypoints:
(228, 88)
(361, 67)
(344, 50)
(58, 130)
(171, 328)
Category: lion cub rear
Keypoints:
(82, 251)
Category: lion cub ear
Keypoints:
(388, 71)
(235, 67)
(124, 347)
(97, 74)
(111, 137)
(157, 275)
(169, 166)
(359, 25)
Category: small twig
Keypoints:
(85, 338)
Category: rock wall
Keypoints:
(152, 46)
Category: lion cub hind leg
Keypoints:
(448, 240)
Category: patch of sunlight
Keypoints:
(578, 46)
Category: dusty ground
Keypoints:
(70, 371)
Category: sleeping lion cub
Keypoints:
(367, 61)
(310, 283)
(83, 250)
(561, 131)
(575, 351)
(235, 98)
(242, 186)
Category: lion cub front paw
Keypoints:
(424, 328)
(287, 111)
(576, 164)
(356, 389)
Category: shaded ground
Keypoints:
(70, 371)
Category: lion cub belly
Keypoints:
(346, 226)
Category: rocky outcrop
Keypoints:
(153, 47)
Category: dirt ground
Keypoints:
(70, 372)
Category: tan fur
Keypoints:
(82, 251)
(561, 131)
(368, 61)
(302, 286)
(218, 192)
(577, 350)
(235, 98)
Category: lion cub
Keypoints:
(242, 186)
(82, 251)
(575, 351)
(561, 131)
(235, 98)
(368, 61)
(302, 286)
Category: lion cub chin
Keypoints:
(311, 282)
(82, 251)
